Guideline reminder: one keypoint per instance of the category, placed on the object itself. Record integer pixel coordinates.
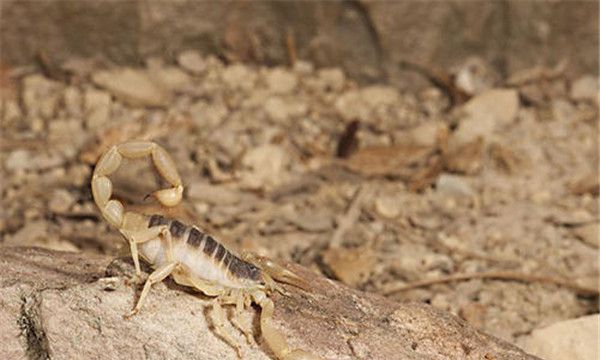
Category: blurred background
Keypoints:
(394, 146)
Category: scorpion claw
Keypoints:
(277, 272)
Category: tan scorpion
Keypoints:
(191, 257)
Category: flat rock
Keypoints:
(263, 166)
(192, 62)
(388, 206)
(585, 88)
(589, 234)
(332, 78)
(40, 96)
(280, 81)
(97, 105)
(212, 194)
(239, 76)
(503, 104)
(135, 87)
(570, 339)
(64, 306)
(453, 185)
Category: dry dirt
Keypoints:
(505, 184)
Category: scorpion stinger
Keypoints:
(190, 256)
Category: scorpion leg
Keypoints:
(157, 276)
(273, 337)
(219, 319)
(141, 236)
(240, 318)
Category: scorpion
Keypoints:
(191, 257)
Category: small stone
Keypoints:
(263, 166)
(351, 266)
(473, 313)
(35, 233)
(562, 110)
(280, 81)
(40, 96)
(192, 62)
(474, 76)
(238, 76)
(11, 111)
(276, 109)
(65, 131)
(303, 67)
(317, 221)
(501, 104)
(172, 78)
(48, 161)
(206, 114)
(589, 234)
(332, 78)
(570, 339)
(18, 160)
(72, 100)
(379, 95)
(532, 93)
(110, 283)
(78, 174)
(541, 197)
(387, 206)
(473, 127)
(30, 234)
(350, 106)
(216, 195)
(97, 108)
(454, 185)
(133, 86)
(279, 110)
(427, 133)
(585, 88)
(61, 201)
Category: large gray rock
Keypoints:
(570, 339)
(67, 306)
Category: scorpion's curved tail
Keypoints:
(111, 209)
(275, 338)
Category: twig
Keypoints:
(290, 43)
(498, 275)
(349, 218)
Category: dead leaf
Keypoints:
(351, 266)
(467, 158)
(588, 184)
(505, 158)
(427, 175)
(395, 160)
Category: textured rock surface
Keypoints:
(571, 339)
(70, 306)
(362, 35)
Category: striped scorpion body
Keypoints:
(191, 257)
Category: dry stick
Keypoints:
(500, 275)
(349, 218)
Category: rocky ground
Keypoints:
(493, 181)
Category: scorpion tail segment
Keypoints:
(102, 188)
(276, 271)
(273, 337)
(169, 197)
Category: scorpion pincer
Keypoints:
(190, 256)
